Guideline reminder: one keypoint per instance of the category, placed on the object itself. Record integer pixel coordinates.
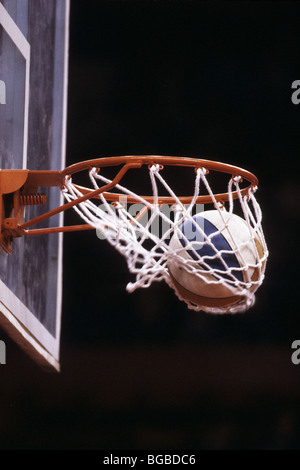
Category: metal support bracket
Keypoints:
(19, 188)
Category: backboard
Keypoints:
(33, 98)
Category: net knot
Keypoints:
(202, 171)
(177, 208)
(94, 171)
(118, 205)
(155, 168)
(220, 204)
(237, 179)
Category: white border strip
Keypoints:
(23, 45)
(63, 161)
(28, 339)
(14, 32)
(26, 318)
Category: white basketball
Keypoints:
(239, 264)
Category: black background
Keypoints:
(140, 371)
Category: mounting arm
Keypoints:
(19, 188)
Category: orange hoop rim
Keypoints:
(137, 161)
(20, 184)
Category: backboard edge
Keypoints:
(26, 341)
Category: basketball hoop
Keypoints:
(138, 236)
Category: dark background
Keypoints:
(141, 371)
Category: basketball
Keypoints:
(224, 255)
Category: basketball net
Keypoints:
(147, 249)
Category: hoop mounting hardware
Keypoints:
(19, 188)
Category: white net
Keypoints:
(154, 239)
